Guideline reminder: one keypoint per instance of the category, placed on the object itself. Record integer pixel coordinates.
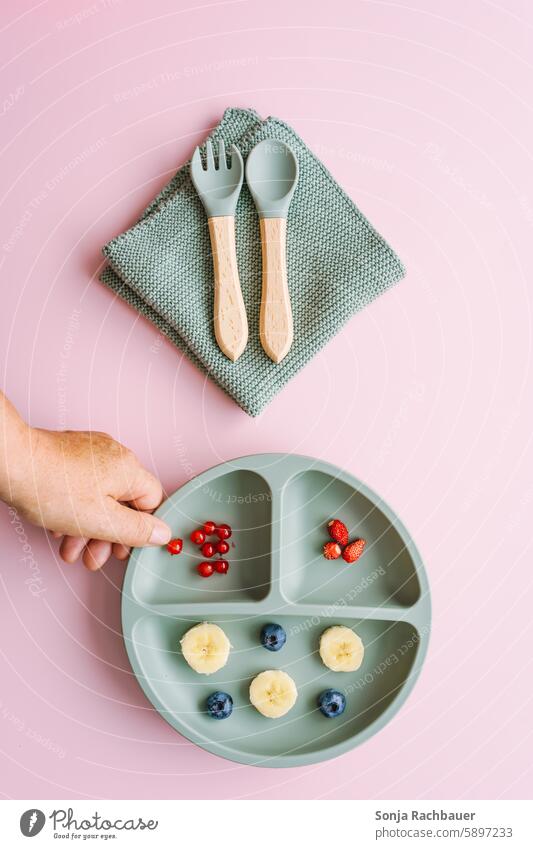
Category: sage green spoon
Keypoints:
(272, 175)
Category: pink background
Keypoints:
(423, 113)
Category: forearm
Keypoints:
(15, 451)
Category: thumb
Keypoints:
(135, 528)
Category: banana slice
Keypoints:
(341, 649)
(273, 693)
(206, 648)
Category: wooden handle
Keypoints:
(275, 322)
(231, 325)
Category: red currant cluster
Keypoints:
(208, 549)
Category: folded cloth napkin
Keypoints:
(336, 264)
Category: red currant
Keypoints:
(208, 549)
(175, 546)
(222, 547)
(223, 531)
(205, 569)
(198, 537)
(221, 566)
(209, 528)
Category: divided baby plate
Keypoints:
(278, 506)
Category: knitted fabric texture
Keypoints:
(336, 264)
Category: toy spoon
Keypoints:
(272, 175)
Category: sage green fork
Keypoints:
(218, 187)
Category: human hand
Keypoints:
(89, 489)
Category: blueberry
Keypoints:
(219, 705)
(331, 703)
(273, 637)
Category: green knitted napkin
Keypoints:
(336, 264)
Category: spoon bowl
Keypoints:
(272, 175)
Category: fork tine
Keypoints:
(210, 157)
(222, 164)
(234, 156)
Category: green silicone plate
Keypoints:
(278, 506)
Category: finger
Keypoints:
(143, 490)
(97, 552)
(57, 534)
(71, 548)
(135, 527)
(121, 552)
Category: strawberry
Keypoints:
(332, 550)
(353, 551)
(338, 531)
